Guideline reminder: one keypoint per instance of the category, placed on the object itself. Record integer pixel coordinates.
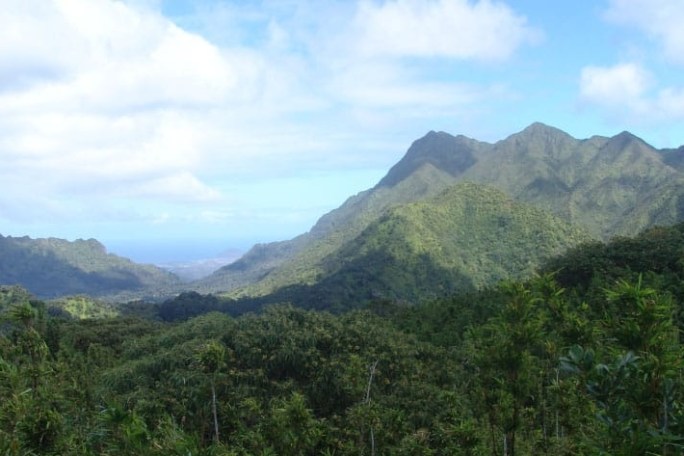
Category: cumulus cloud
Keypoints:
(109, 109)
(101, 99)
(623, 84)
(628, 92)
(104, 55)
(482, 30)
(660, 19)
(380, 61)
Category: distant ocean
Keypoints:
(174, 250)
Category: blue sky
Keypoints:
(176, 128)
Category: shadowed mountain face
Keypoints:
(53, 267)
(603, 187)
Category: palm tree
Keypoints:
(212, 359)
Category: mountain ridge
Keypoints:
(464, 239)
(611, 186)
(602, 186)
(470, 232)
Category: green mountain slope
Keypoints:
(273, 265)
(607, 186)
(467, 237)
(54, 267)
(476, 231)
(611, 186)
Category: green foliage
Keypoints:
(465, 238)
(191, 304)
(82, 307)
(635, 389)
(589, 366)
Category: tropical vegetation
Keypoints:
(584, 358)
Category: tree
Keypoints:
(212, 359)
(634, 388)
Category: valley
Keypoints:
(426, 229)
(522, 297)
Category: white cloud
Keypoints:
(482, 30)
(98, 99)
(660, 19)
(30, 51)
(628, 92)
(385, 85)
(379, 58)
(638, 93)
(623, 84)
(109, 109)
(181, 186)
(109, 57)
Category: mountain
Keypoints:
(611, 186)
(52, 267)
(674, 158)
(464, 239)
(298, 261)
(608, 187)
(470, 231)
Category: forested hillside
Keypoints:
(605, 186)
(55, 267)
(466, 238)
(586, 360)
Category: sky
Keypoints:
(175, 129)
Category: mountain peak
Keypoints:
(538, 126)
(626, 139)
(593, 183)
(452, 154)
(625, 136)
(539, 129)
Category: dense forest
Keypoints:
(584, 358)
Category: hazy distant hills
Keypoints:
(190, 270)
(598, 187)
(55, 267)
